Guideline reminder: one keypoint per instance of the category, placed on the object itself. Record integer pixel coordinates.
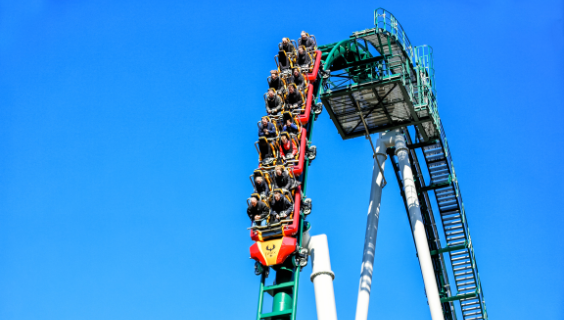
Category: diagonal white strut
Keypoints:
(366, 269)
(388, 139)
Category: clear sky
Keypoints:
(126, 142)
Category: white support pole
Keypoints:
(418, 229)
(371, 232)
(322, 277)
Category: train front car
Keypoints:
(276, 241)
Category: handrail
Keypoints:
(419, 56)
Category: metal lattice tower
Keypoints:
(377, 81)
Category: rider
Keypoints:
(290, 127)
(288, 148)
(257, 211)
(273, 102)
(294, 99)
(261, 187)
(303, 60)
(298, 79)
(306, 41)
(266, 128)
(282, 179)
(281, 207)
(275, 82)
(285, 53)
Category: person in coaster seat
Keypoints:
(288, 147)
(283, 180)
(294, 98)
(267, 129)
(303, 60)
(261, 187)
(273, 102)
(286, 52)
(281, 207)
(276, 83)
(306, 41)
(298, 79)
(266, 152)
(257, 211)
(291, 127)
(291, 124)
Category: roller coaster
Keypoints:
(374, 82)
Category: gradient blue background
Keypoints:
(126, 141)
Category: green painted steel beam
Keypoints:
(449, 249)
(459, 297)
(271, 289)
(343, 47)
(269, 316)
(434, 186)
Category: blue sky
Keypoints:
(126, 141)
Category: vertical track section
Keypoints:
(430, 226)
(444, 183)
(285, 291)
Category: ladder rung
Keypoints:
(465, 283)
(465, 268)
(436, 175)
(444, 191)
(450, 233)
(448, 207)
(436, 160)
(463, 278)
(452, 244)
(275, 287)
(471, 302)
(463, 273)
(457, 253)
(468, 309)
(438, 170)
(452, 223)
(445, 203)
(449, 212)
(455, 238)
(460, 258)
(438, 165)
(270, 315)
(431, 149)
(460, 263)
(445, 196)
(459, 226)
(466, 288)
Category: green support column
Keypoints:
(283, 299)
(261, 295)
